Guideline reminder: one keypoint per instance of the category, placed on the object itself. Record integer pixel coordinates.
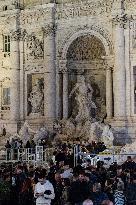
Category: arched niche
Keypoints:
(85, 57)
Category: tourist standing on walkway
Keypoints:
(44, 191)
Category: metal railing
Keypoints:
(109, 156)
(36, 155)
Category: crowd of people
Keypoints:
(62, 183)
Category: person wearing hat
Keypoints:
(44, 191)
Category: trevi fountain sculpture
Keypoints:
(82, 126)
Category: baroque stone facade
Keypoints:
(46, 46)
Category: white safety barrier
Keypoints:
(35, 155)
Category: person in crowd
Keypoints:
(44, 191)
(110, 185)
(97, 195)
(28, 144)
(8, 147)
(119, 197)
(129, 164)
(131, 191)
(79, 190)
(67, 173)
(66, 191)
(26, 194)
(107, 202)
(5, 190)
(4, 132)
(58, 188)
(88, 202)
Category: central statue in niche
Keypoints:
(83, 96)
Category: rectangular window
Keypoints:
(6, 44)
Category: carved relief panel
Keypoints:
(34, 48)
(35, 94)
(5, 94)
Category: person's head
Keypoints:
(88, 162)
(19, 169)
(87, 177)
(41, 178)
(129, 158)
(57, 177)
(7, 177)
(88, 202)
(61, 164)
(107, 202)
(119, 170)
(120, 186)
(97, 187)
(81, 176)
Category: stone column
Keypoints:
(22, 79)
(0, 99)
(119, 74)
(50, 73)
(65, 92)
(109, 95)
(128, 68)
(15, 76)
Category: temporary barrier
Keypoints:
(39, 156)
